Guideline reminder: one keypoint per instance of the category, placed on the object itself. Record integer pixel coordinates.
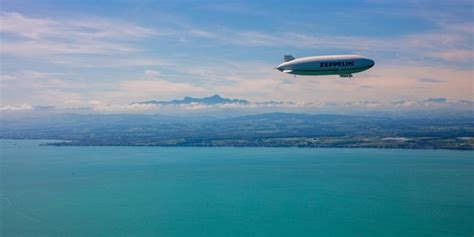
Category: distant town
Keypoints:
(261, 130)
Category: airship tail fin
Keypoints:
(288, 58)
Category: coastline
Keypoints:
(349, 143)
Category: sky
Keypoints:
(106, 55)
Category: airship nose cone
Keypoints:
(371, 62)
(279, 69)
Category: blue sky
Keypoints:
(106, 55)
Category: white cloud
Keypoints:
(448, 42)
(23, 107)
(368, 104)
(25, 75)
(31, 37)
(438, 100)
(429, 80)
(100, 106)
(454, 54)
(403, 103)
(37, 80)
(105, 36)
(40, 88)
(104, 107)
(108, 62)
(76, 34)
(112, 44)
(147, 89)
(33, 28)
(85, 28)
(152, 73)
(51, 48)
(232, 8)
(160, 87)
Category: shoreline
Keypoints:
(337, 143)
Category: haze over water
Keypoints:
(157, 191)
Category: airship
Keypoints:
(342, 65)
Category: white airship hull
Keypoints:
(342, 65)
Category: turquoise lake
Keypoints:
(184, 191)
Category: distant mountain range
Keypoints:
(225, 107)
(211, 100)
(218, 100)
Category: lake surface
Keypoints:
(176, 191)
